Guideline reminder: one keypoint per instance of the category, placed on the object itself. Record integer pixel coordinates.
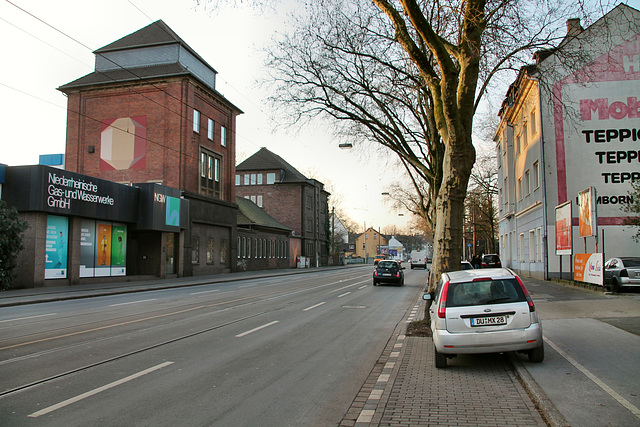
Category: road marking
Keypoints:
(257, 329)
(313, 306)
(97, 390)
(132, 302)
(611, 392)
(344, 295)
(362, 287)
(27, 318)
(204, 292)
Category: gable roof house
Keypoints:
(290, 198)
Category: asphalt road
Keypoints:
(290, 350)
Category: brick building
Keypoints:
(291, 198)
(150, 113)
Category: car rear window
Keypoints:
(388, 265)
(491, 258)
(631, 262)
(484, 292)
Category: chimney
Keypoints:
(573, 27)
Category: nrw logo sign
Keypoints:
(172, 211)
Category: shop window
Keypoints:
(210, 249)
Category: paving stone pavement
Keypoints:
(405, 389)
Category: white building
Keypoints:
(396, 249)
(579, 129)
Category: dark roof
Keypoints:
(251, 214)
(155, 34)
(127, 74)
(267, 160)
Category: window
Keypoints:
(246, 179)
(223, 251)
(210, 129)
(525, 138)
(271, 178)
(195, 250)
(518, 145)
(539, 243)
(533, 248)
(223, 136)
(210, 248)
(527, 182)
(521, 247)
(210, 165)
(533, 123)
(259, 179)
(506, 194)
(196, 121)
(259, 202)
(536, 175)
(254, 179)
(238, 247)
(249, 247)
(237, 180)
(519, 188)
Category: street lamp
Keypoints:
(345, 145)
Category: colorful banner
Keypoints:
(587, 212)
(87, 248)
(588, 268)
(56, 247)
(118, 250)
(103, 250)
(563, 229)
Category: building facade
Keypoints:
(150, 113)
(565, 129)
(290, 198)
(371, 243)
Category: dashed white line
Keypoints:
(97, 390)
(204, 292)
(132, 302)
(344, 295)
(313, 306)
(27, 318)
(257, 329)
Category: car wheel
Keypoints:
(441, 360)
(412, 267)
(615, 286)
(537, 354)
(375, 283)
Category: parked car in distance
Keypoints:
(466, 265)
(418, 259)
(491, 261)
(622, 272)
(388, 271)
(484, 311)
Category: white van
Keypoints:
(418, 259)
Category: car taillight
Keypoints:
(484, 264)
(624, 273)
(375, 272)
(499, 264)
(442, 305)
(398, 274)
(532, 307)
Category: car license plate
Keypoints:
(386, 274)
(489, 321)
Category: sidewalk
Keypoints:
(405, 389)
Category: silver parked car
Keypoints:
(484, 311)
(621, 272)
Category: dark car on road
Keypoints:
(622, 272)
(491, 261)
(387, 271)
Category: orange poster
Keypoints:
(103, 246)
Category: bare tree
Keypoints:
(410, 75)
